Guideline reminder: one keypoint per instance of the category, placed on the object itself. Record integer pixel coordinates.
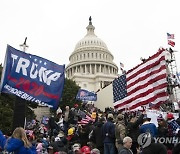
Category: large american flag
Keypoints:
(144, 84)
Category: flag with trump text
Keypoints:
(85, 95)
(144, 84)
(32, 78)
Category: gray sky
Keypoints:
(130, 28)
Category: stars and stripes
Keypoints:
(86, 120)
(170, 36)
(171, 43)
(144, 84)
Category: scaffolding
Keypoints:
(172, 78)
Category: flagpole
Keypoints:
(172, 70)
(19, 117)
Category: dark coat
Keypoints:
(97, 135)
(155, 148)
(124, 151)
(108, 132)
(133, 128)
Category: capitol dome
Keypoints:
(91, 63)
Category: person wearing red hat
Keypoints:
(85, 150)
(173, 127)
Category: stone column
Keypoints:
(95, 69)
(90, 69)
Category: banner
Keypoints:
(85, 95)
(32, 78)
(153, 114)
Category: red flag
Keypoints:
(144, 84)
(171, 43)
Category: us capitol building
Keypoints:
(91, 63)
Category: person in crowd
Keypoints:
(39, 147)
(52, 125)
(154, 148)
(66, 119)
(72, 137)
(162, 126)
(60, 122)
(133, 130)
(120, 130)
(95, 151)
(176, 149)
(127, 143)
(147, 126)
(75, 149)
(96, 137)
(85, 150)
(58, 145)
(17, 143)
(83, 132)
(173, 127)
(108, 133)
(178, 120)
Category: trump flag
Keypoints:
(85, 95)
(144, 84)
(32, 78)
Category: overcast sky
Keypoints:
(130, 28)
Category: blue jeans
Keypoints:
(109, 148)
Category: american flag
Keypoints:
(171, 43)
(144, 84)
(170, 36)
(86, 120)
(121, 65)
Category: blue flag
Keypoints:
(85, 95)
(32, 78)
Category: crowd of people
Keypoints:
(88, 130)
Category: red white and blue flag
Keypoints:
(32, 78)
(86, 120)
(144, 84)
(170, 36)
(85, 95)
(171, 43)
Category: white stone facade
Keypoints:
(91, 63)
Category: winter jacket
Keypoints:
(155, 148)
(108, 132)
(125, 151)
(148, 127)
(97, 135)
(15, 145)
(133, 128)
